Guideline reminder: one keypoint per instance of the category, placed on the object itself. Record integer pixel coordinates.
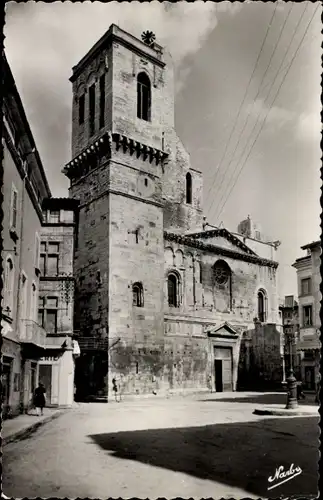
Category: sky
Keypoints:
(247, 104)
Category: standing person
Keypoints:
(300, 393)
(115, 388)
(317, 392)
(39, 398)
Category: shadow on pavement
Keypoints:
(241, 455)
(278, 398)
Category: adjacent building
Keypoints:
(24, 188)
(163, 302)
(25, 193)
(56, 300)
(309, 300)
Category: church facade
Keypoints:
(163, 301)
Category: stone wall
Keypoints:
(260, 363)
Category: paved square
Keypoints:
(202, 446)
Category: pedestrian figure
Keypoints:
(39, 398)
(115, 388)
(317, 395)
(300, 393)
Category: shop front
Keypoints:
(56, 371)
(11, 371)
(310, 348)
(32, 349)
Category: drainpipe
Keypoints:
(18, 324)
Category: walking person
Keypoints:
(39, 398)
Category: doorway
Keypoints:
(223, 369)
(218, 371)
(45, 376)
(5, 383)
(309, 378)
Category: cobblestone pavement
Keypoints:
(202, 446)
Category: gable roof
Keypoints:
(224, 233)
(194, 241)
(214, 330)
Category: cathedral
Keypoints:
(164, 302)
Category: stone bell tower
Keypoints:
(123, 103)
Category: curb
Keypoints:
(286, 413)
(28, 430)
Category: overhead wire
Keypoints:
(255, 99)
(265, 120)
(243, 100)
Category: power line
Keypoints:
(244, 98)
(276, 95)
(257, 119)
(255, 98)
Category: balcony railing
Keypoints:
(92, 344)
(32, 333)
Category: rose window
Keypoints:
(221, 273)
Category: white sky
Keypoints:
(214, 47)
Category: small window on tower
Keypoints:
(188, 188)
(81, 109)
(143, 97)
(92, 109)
(102, 100)
(137, 295)
(146, 182)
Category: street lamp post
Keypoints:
(291, 381)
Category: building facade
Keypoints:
(25, 191)
(56, 300)
(162, 303)
(309, 300)
(25, 186)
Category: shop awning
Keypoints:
(310, 343)
(76, 348)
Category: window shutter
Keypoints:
(37, 250)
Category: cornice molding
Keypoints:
(56, 278)
(120, 193)
(100, 150)
(195, 243)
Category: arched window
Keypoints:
(9, 284)
(143, 97)
(262, 306)
(137, 295)
(188, 188)
(173, 290)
